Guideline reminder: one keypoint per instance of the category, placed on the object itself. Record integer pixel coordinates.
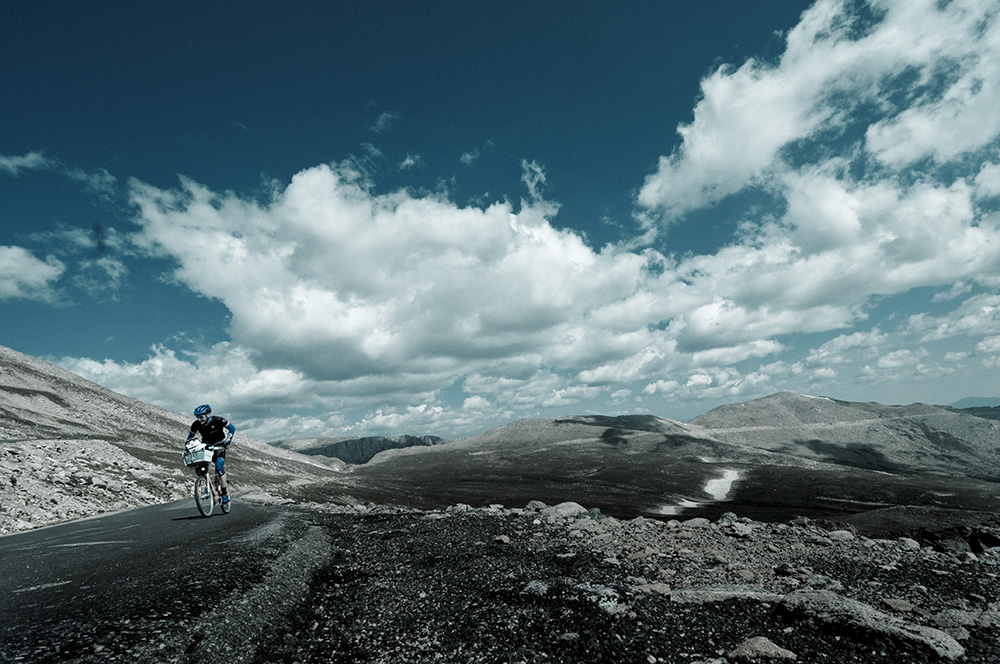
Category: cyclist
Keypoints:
(217, 432)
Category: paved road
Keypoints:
(160, 583)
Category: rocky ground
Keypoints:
(564, 584)
(556, 584)
(550, 584)
(50, 481)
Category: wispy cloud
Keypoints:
(472, 156)
(100, 182)
(31, 161)
(410, 161)
(100, 277)
(385, 122)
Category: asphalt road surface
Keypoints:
(154, 584)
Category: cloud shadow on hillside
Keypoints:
(855, 455)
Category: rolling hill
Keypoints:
(903, 439)
(353, 450)
(776, 457)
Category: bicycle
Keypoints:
(207, 493)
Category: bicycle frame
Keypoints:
(208, 490)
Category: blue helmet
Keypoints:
(202, 410)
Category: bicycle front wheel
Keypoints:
(203, 496)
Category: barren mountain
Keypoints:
(769, 459)
(912, 439)
(71, 448)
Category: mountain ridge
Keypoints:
(353, 449)
(915, 438)
(839, 457)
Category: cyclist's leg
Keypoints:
(220, 472)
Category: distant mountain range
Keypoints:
(354, 450)
(70, 447)
(786, 454)
(977, 402)
(759, 423)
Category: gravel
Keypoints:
(498, 585)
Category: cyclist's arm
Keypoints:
(229, 431)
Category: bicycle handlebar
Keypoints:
(221, 445)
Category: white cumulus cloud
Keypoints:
(25, 276)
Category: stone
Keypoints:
(565, 510)
(536, 588)
(741, 530)
(896, 604)
(786, 569)
(817, 539)
(656, 588)
(823, 582)
(710, 594)
(828, 607)
(955, 618)
(761, 647)
(645, 553)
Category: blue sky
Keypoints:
(437, 217)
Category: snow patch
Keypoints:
(717, 488)
(672, 510)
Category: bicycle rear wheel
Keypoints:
(203, 496)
